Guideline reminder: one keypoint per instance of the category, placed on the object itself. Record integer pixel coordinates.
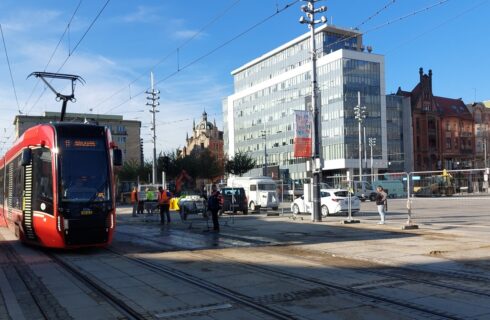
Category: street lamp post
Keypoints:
(309, 10)
(372, 143)
(360, 114)
(264, 135)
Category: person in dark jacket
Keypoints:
(381, 197)
(164, 197)
(214, 206)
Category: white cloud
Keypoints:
(143, 14)
(29, 19)
(185, 34)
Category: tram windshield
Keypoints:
(84, 170)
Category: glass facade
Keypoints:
(260, 113)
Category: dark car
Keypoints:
(234, 200)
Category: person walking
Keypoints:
(164, 203)
(134, 200)
(381, 202)
(214, 205)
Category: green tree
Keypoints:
(240, 164)
(131, 170)
(208, 165)
(200, 164)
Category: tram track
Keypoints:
(123, 308)
(209, 286)
(422, 310)
(38, 294)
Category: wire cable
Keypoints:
(375, 14)
(386, 24)
(177, 50)
(452, 19)
(287, 6)
(10, 69)
(74, 48)
(63, 35)
(52, 55)
(84, 34)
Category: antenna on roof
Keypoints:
(59, 96)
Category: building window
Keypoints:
(448, 143)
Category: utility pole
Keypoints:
(153, 97)
(264, 135)
(360, 115)
(372, 143)
(309, 10)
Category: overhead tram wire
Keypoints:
(63, 35)
(386, 6)
(287, 6)
(10, 69)
(84, 34)
(53, 53)
(332, 44)
(451, 19)
(388, 23)
(76, 46)
(176, 50)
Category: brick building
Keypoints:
(443, 129)
(481, 117)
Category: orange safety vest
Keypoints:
(165, 197)
(134, 195)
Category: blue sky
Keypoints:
(130, 38)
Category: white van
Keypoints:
(260, 191)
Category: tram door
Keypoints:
(38, 195)
(26, 183)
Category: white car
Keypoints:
(332, 201)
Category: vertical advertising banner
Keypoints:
(302, 133)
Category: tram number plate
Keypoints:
(86, 212)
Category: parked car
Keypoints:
(234, 200)
(332, 201)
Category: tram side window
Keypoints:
(2, 190)
(42, 180)
(18, 183)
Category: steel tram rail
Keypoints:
(18, 264)
(118, 304)
(352, 291)
(209, 286)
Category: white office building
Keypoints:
(259, 114)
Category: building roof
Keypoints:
(204, 124)
(323, 28)
(452, 108)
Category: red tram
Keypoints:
(57, 186)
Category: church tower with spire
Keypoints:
(205, 136)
